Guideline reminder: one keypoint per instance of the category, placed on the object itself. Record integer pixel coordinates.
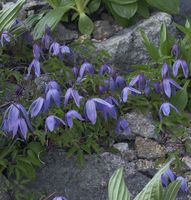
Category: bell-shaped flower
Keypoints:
(16, 121)
(75, 71)
(65, 49)
(104, 87)
(120, 82)
(175, 51)
(72, 93)
(112, 84)
(37, 106)
(165, 71)
(36, 51)
(168, 83)
(157, 87)
(92, 104)
(46, 39)
(59, 198)
(183, 185)
(5, 36)
(165, 108)
(72, 114)
(122, 126)
(52, 95)
(105, 69)
(54, 49)
(169, 175)
(52, 85)
(35, 65)
(112, 100)
(52, 122)
(85, 67)
(125, 92)
(139, 81)
(180, 63)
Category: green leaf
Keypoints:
(169, 6)
(94, 5)
(180, 100)
(163, 49)
(153, 190)
(123, 2)
(117, 189)
(152, 50)
(172, 190)
(85, 24)
(143, 9)
(125, 11)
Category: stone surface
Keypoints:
(65, 177)
(141, 125)
(126, 48)
(3, 194)
(122, 147)
(149, 149)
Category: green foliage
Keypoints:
(117, 189)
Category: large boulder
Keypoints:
(126, 48)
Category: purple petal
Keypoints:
(23, 128)
(50, 123)
(134, 80)
(102, 102)
(72, 114)
(183, 186)
(90, 108)
(36, 107)
(76, 97)
(167, 87)
(35, 64)
(55, 48)
(184, 66)
(36, 51)
(53, 94)
(65, 49)
(165, 70)
(120, 82)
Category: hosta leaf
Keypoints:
(125, 11)
(172, 190)
(180, 100)
(153, 190)
(170, 6)
(117, 189)
(123, 2)
(85, 24)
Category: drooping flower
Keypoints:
(60, 198)
(183, 65)
(52, 85)
(52, 95)
(5, 36)
(85, 67)
(75, 71)
(36, 51)
(104, 87)
(122, 126)
(168, 83)
(183, 186)
(120, 82)
(54, 49)
(72, 93)
(165, 108)
(157, 87)
(35, 65)
(140, 81)
(112, 84)
(46, 39)
(92, 104)
(165, 71)
(65, 49)
(175, 51)
(125, 92)
(105, 69)
(16, 121)
(70, 115)
(52, 122)
(37, 106)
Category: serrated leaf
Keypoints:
(172, 190)
(85, 24)
(117, 190)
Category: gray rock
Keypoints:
(65, 177)
(102, 29)
(141, 125)
(126, 48)
(3, 194)
(146, 166)
(62, 34)
(34, 4)
(122, 147)
(149, 149)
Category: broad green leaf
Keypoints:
(152, 50)
(117, 190)
(51, 19)
(85, 24)
(94, 5)
(169, 6)
(172, 190)
(123, 2)
(143, 9)
(125, 11)
(180, 100)
(153, 190)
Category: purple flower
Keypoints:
(183, 185)
(112, 84)
(46, 37)
(54, 49)
(70, 115)
(165, 71)
(169, 175)
(5, 36)
(112, 100)
(59, 198)
(92, 104)
(74, 94)
(85, 67)
(125, 92)
(75, 71)
(140, 81)
(183, 65)
(106, 69)
(104, 87)
(175, 51)
(52, 85)
(35, 65)
(122, 126)
(157, 87)
(65, 49)
(120, 82)
(53, 122)
(167, 84)
(52, 95)
(36, 51)
(37, 106)
(16, 121)
(165, 108)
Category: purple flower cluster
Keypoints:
(169, 176)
